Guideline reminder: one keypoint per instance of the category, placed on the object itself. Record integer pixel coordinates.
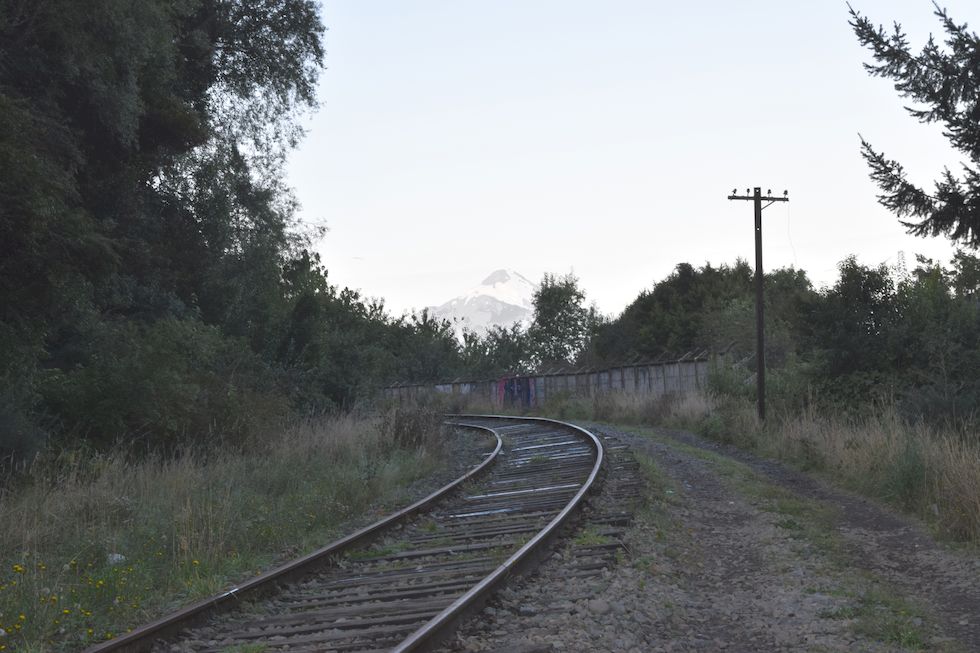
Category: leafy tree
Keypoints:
(431, 351)
(966, 275)
(937, 344)
(945, 84)
(501, 350)
(849, 331)
(139, 151)
(561, 322)
(669, 318)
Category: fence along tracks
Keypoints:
(406, 591)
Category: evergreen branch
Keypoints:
(946, 81)
(898, 194)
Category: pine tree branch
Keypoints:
(946, 81)
(898, 194)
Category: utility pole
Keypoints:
(760, 337)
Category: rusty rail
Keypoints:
(141, 638)
(407, 591)
(436, 629)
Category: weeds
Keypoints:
(246, 648)
(591, 537)
(93, 544)
(922, 469)
(886, 617)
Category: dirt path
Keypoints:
(880, 542)
(740, 554)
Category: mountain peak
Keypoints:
(504, 276)
(497, 276)
(503, 298)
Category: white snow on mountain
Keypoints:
(503, 298)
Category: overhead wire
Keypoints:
(789, 236)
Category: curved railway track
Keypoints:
(403, 583)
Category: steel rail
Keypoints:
(141, 638)
(439, 626)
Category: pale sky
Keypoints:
(456, 137)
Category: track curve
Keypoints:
(438, 560)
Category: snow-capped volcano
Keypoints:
(503, 298)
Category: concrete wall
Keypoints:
(646, 379)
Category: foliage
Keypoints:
(165, 383)
(561, 322)
(145, 229)
(875, 335)
(706, 308)
(945, 85)
(560, 330)
(498, 351)
(157, 288)
(669, 317)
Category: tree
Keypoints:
(966, 277)
(853, 325)
(945, 84)
(140, 204)
(669, 318)
(500, 350)
(561, 322)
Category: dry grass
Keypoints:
(93, 544)
(932, 473)
(924, 470)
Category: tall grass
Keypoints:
(925, 470)
(92, 544)
(932, 472)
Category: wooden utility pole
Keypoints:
(760, 338)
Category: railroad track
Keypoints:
(403, 583)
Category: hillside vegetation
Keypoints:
(877, 335)
(156, 288)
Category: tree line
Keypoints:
(878, 334)
(156, 287)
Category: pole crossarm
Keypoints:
(764, 197)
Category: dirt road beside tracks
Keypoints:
(730, 552)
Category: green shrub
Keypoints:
(165, 384)
(905, 477)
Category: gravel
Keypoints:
(706, 567)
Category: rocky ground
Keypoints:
(731, 553)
